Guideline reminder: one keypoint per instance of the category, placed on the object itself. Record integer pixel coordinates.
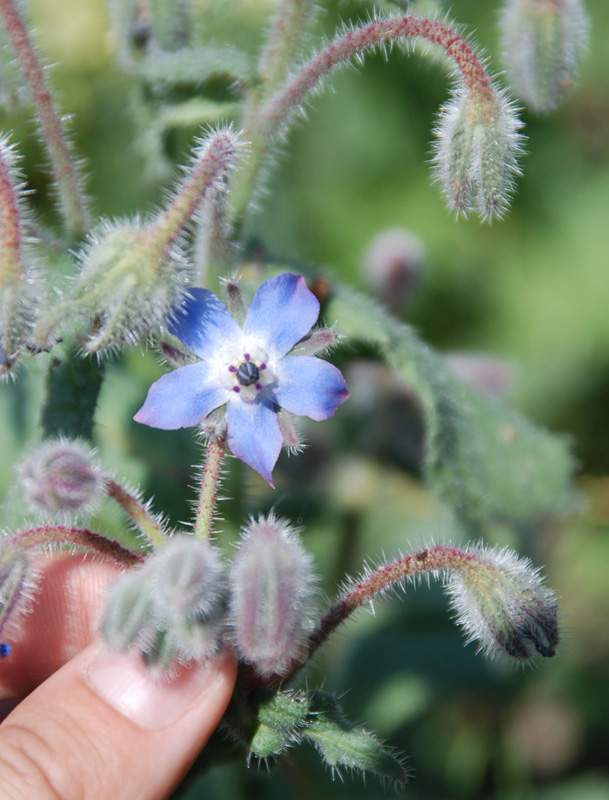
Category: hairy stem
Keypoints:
(212, 162)
(283, 43)
(435, 561)
(138, 512)
(209, 487)
(274, 115)
(72, 203)
(81, 538)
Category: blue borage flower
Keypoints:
(248, 370)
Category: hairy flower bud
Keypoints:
(15, 582)
(393, 264)
(128, 285)
(63, 477)
(271, 583)
(542, 42)
(501, 602)
(476, 152)
(129, 620)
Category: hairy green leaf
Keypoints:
(343, 744)
(487, 461)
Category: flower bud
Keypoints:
(501, 602)
(128, 285)
(188, 578)
(393, 265)
(476, 149)
(129, 620)
(542, 42)
(271, 582)
(63, 477)
(16, 582)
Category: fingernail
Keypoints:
(126, 684)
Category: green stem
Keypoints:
(209, 487)
(138, 512)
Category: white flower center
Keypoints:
(246, 371)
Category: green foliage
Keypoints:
(73, 386)
(488, 462)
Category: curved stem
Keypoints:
(73, 203)
(209, 487)
(435, 561)
(138, 512)
(82, 538)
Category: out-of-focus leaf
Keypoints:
(195, 65)
(484, 459)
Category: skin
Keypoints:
(85, 724)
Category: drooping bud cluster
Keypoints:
(543, 41)
(270, 589)
(173, 608)
(476, 150)
(501, 602)
(393, 265)
(62, 477)
(17, 275)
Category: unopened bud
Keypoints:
(271, 582)
(476, 152)
(188, 576)
(501, 602)
(129, 620)
(393, 265)
(543, 41)
(128, 285)
(15, 582)
(63, 477)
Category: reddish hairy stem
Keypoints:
(435, 560)
(137, 511)
(73, 204)
(10, 223)
(209, 487)
(76, 537)
(357, 41)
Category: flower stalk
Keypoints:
(209, 486)
(81, 538)
(72, 201)
(138, 512)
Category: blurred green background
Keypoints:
(532, 289)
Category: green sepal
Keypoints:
(484, 459)
(343, 744)
(279, 718)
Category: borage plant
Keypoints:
(244, 369)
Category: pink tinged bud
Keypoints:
(16, 583)
(129, 620)
(393, 265)
(188, 577)
(270, 583)
(63, 477)
(543, 41)
(476, 152)
(501, 602)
